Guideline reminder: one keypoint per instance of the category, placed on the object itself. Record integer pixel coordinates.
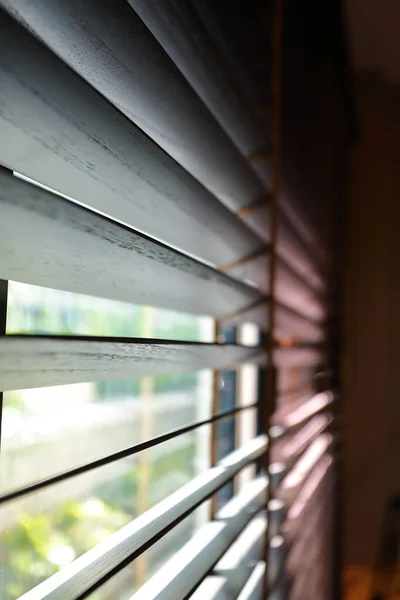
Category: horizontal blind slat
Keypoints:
(181, 573)
(302, 502)
(125, 63)
(288, 417)
(213, 588)
(294, 292)
(299, 473)
(298, 357)
(252, 88)
(65, 135)
(293, 250)
(177, 578)
(237, 562)
(177, 29)
(64, 28)
(254, 585)
(288, 323)
(91, 568)
(290, 289)
(289, 245)
(49, 241)
(39, 361)
(191, 49)
(288, 450)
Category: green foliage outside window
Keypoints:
(39, 545)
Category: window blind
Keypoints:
(133, 169)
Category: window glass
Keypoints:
(46, 530)
(47, 431)
(248, 394)
(226, 429)
(33, 309)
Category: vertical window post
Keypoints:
(3, 319)
(273, 225)
(223, 432)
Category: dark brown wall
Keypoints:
(371, 340)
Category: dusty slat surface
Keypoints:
(49, 241)
(64, 134)
(108, 45)
(36, 361)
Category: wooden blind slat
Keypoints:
(288, 449)
(177, 29)
(213, 588)
(125, 63)
(181, 573)
(298, 357)
(49, 241)
(65, 135)
(289, 245)
(290, 289)
(38, 361)
(91, 568)
(298, 475)
(236, 564)
(304, 409)
(290, 324)
(254, 585)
